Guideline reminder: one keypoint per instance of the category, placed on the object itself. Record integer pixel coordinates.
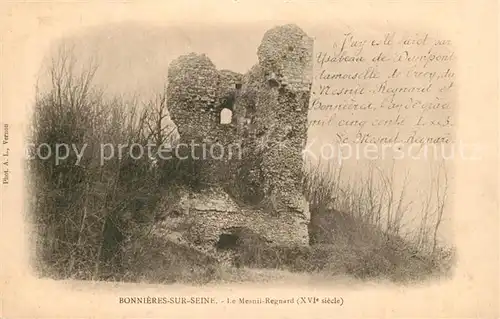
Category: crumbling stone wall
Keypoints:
(197, 92)
(199, 219)
(192, 91)
(269, 105)
(274, 99)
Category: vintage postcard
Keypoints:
(249, 159)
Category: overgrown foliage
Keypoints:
(368, 226)
(84, 209)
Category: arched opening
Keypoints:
(227, 241)
(226, 116)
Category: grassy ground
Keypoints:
(340, 252)
(343, 245)
(360, 245)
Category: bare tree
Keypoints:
(83, 211)
(159, 129)
(441, 200)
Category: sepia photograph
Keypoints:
(265, 153)
(202, 173)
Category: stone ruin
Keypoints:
(259, 192)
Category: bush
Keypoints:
(358, 228)
(155, 260)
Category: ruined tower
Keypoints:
(262, 189)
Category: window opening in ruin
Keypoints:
(226, 116)
(227, 241)
(273, 82)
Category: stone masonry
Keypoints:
(261, 190)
